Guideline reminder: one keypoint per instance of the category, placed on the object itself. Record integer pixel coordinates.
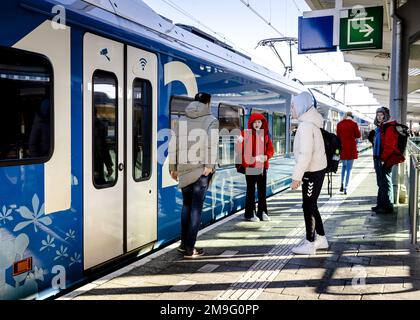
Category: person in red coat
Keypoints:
(256, 148)
(347, 131)
(383, 142)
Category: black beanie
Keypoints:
(203, 97)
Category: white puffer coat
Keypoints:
(308, 148)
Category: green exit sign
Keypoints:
(361, 28)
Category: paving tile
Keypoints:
(359, 240)
(276, 296)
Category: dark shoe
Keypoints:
(197, 252)
(181, 248)
(375, 208)
(341, 188)
(387, 210)
(345, 191)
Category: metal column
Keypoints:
(398, 83)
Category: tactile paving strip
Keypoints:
(263, 272)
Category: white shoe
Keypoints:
(321, 242)
(306, 248)
(253, 219)
(265, 217)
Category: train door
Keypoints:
(141, 145)
(103, 150)
(120, 162)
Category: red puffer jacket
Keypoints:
(390, 154)
(348, 131)
(250, 149)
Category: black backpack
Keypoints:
(403, 134)
(332, 150)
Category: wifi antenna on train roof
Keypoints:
(271, 43)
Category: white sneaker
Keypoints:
(321, 242)
(306, 248)
(253, 219)
(265, 217)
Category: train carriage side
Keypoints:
(85, 107)
(40, 150)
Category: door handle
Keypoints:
(121, 166)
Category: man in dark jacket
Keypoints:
(383, 170)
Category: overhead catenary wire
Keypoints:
(249, 6)
(246, 3)
(222, 36)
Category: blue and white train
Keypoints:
(89, 92)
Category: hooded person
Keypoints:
(382, 146)
(256, 148)
(309, 171)
(192, 164)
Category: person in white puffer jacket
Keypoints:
(309, 171)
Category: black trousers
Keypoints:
(261, 181)
(311, 188)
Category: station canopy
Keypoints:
(373, 66)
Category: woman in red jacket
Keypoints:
(256, 149)
(347, 131)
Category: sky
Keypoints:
(233, 22)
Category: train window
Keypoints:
(279, 134)
(177, 108)
(26, 122)
(105, 129)
(293, 129)
(230, 125)
(263, 112)
(142, 129)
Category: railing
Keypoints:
(413, 149)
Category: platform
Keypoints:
(370, 256)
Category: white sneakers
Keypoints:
(306, 248)
(321, 242)
(253, 219)
(265, 217)
(309, 248)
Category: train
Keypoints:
(90, 90)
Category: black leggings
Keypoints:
(311, 188)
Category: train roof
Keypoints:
(130, 20)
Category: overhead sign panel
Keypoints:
(316, 34)
(361, 28)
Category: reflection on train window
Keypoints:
(263, 112)
(178, 105)
(142, 129)
(230, 124)
(105, 129)
(26, 126)
(177, 108)
(335, 119)
(279, 134)
(293, 128)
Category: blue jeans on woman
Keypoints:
(346, 172)
(193, 199)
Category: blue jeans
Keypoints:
(384, 181)
(346, 172)
(193, 200)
